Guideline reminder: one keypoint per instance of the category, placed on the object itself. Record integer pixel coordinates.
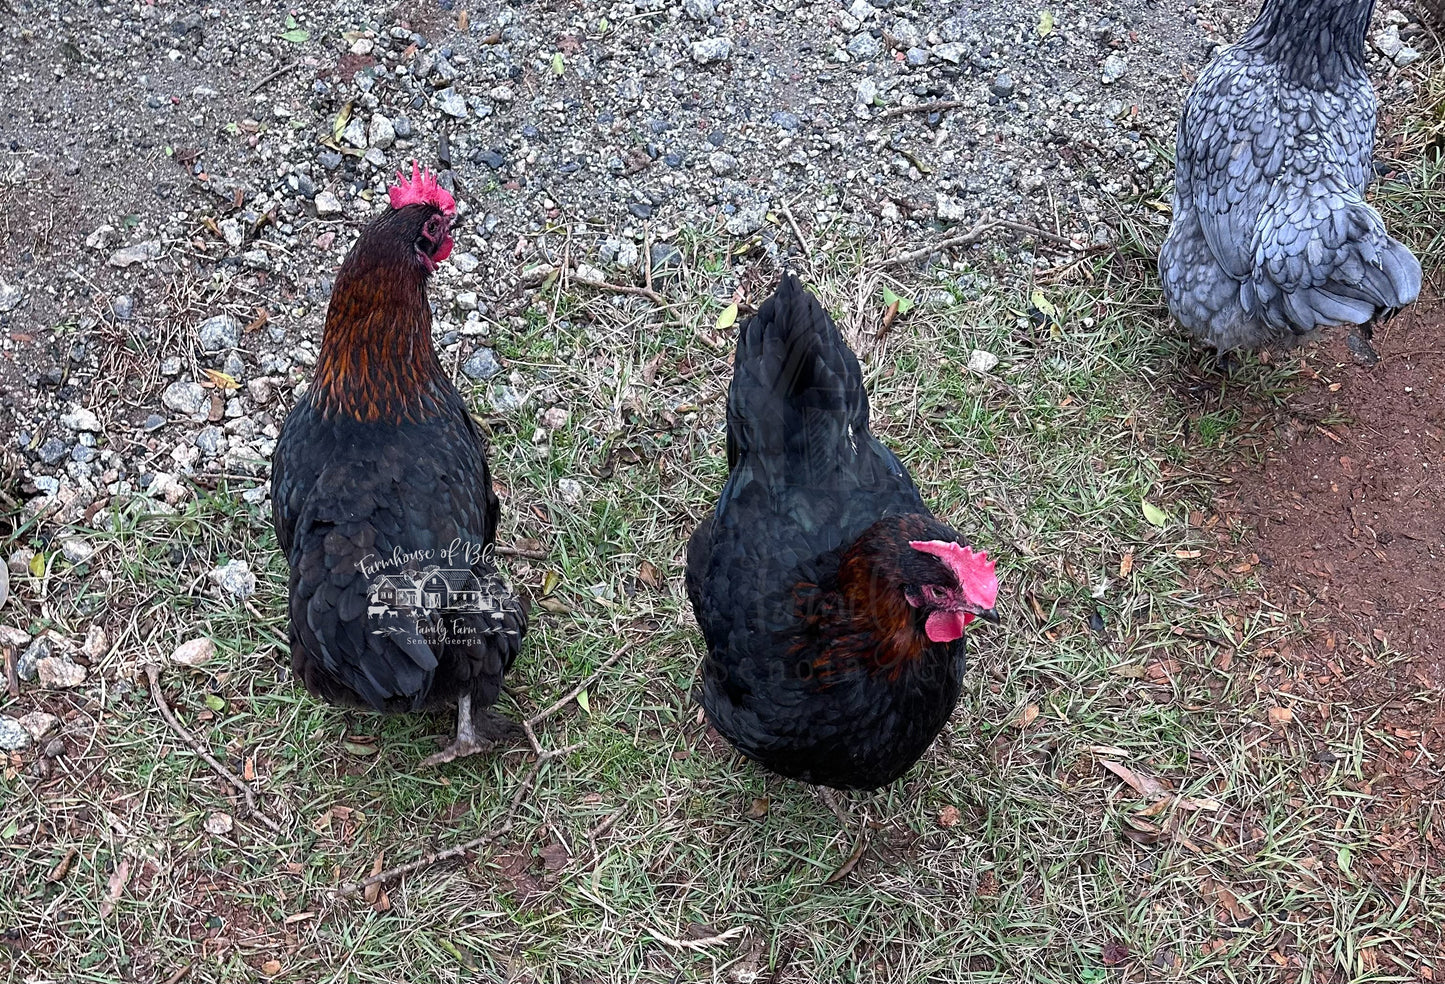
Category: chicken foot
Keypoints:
(474, 734)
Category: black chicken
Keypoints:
(383, 502)
(832, 602)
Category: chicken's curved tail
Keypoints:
(797, 392)
(1326, 260)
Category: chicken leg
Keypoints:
(474, 735)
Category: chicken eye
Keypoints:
(934, 594)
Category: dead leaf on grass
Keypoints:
(554, 857)
(949, 816)
(648, 573)
(271, 968)
(63, 868)
(374, 894)
(1027, 716)
(852, 862)
(114, 886)
(1143, 784)
(1115, 953)
(1280, 716)
(759, 809)
(1227, 901)
(1126, 564)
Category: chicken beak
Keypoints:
(987, 614)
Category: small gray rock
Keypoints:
(53, 451)
(122, 307)
(235, 579)
(722, 163)
(231, 232)
(327, 205)
(186, 397)
(506, 398)
(1115, 67)
(76, 550)
(138, 253)
(219, 332)
(711, 50)
(1002, 85)
(950, 209)
(209, 440)
(451, 102)
(381, 134)
(38, 649)
(666, 258)
(482, 365)
(917, 57)
(13, 735)
(355, 133)
(10, 297)
(865, 45)
(951, 51)
(699, 10)
(81, 419)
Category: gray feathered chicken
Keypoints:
(1272, 237)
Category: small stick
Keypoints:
(646, 292)
(544, 715)
(967, 239)
(12, 672)
(936, 106)
(153, 674)
(272, 78)
(437, 857)
(522, 552)
(1028, 230)
(802, 240)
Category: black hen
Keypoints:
(383, 502)
(832, 602)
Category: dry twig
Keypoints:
(967, 239)
(522, 552)
(153, 674)
(802, 240)
(936, 106)
(436, 857)
(273, 77)
(556, 706)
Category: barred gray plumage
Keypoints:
(1272, 237)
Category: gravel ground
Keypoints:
(178, 184)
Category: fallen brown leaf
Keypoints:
(1280, 715)
(949, 816)
(114, 886)
(1143, 784)
(63, 868)
(1027, 716)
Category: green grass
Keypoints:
(1008, 854)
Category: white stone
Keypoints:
(196, 652)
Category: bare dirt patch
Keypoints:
(1340, 525)
(1347, 510)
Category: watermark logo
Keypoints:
(412, 592)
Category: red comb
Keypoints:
(421, 189)
(975, 572)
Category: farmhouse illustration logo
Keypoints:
(408, 591)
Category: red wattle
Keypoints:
(945, 626)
